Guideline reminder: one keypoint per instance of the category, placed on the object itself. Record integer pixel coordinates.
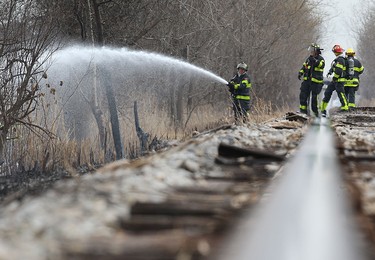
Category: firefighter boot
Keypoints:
(351, 106)
(323, 108)
(344, 109)
(344, 103)
(303, 109)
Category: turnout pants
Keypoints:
(350, 95)
(241, 109)
(307, 88)
(339, 87)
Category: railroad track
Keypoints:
(309, 214)
(187, 202)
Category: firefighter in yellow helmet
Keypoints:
(354, 69)
(312, 74)
(338, 69)
(239, 86)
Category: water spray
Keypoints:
(131, 61)
(133, 74)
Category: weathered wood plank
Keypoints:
(152, 223)
(231, 151)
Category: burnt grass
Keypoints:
(18, 184)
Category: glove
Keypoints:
(230, 87)
(299, 76)
(329, 72)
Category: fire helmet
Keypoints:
(337, 49)
(350, 52)
(242, 65)
(314, 47)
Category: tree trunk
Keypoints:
(108, 86)
(98, 115)
(179, 107)
(107, 82)
(142, 135)
(98, 22)
(94, 104)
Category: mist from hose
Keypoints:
(131, 62)
(76, 73)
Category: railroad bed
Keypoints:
(355, 132)
(182, 203)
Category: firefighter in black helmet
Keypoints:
(239, 87)
(312, 75)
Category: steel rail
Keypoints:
(306, 216)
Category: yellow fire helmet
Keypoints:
(350, 52)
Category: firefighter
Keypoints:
(312, 74)
(352, 82)
(239, 87)
(338, 69)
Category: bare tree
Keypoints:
(366, 52)
(270, 36)
(28, 37)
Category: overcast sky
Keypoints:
(342, 21)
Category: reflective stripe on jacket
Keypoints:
(339, 69)
(312, 69)
(242, 86)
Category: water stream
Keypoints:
(129, 62)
